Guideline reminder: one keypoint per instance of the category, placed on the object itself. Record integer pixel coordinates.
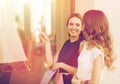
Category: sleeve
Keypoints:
(98, 52)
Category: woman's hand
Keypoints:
(43, 37)
(56, 66)
(75, 80)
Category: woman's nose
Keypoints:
(74, 27)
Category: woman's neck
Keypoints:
(73, 39)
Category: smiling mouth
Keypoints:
(74, 31)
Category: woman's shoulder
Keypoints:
(84, 42)
(91, 45)
(95, 44)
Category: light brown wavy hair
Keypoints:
(96, 30)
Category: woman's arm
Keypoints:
(75, 80)
(51, 59)
(64, 66)
(97, 69)
(48, 52)
(68, 68)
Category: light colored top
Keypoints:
(85, 62)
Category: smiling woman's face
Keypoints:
(74, 27)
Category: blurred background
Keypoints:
(50, 16)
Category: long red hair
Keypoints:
(96, 29)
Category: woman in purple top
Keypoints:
(65, 60)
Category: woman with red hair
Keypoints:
(96, 51)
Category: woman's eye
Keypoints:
(77, 24)
(70, 24)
